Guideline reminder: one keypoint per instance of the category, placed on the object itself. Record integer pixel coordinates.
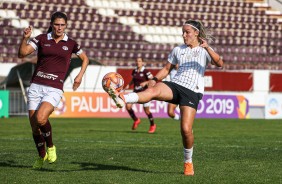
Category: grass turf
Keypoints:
(107, 151)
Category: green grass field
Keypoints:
(107, 151)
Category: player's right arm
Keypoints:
(25, 48)
(161, 74)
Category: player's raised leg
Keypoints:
(158, 92)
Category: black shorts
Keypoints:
(183, 96)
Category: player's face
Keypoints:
(189, 35)
(139, 63)
(59, 26)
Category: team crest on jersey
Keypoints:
(65, 48)
(195, 53)
(189, 57)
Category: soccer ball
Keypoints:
(113, 80)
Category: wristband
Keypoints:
(155, 79)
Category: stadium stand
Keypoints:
(116, 32)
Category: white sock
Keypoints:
(176, 117)
(131, 98)
(188, 155)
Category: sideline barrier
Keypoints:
(88, 104)
(273, 107)
(4, 103)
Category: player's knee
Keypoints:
(154, 92)
(147, 112)
(41, 119)
(187, 132)
(171, 114)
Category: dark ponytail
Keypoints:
(55, 16)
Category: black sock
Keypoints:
(151, 119)
(132, 114)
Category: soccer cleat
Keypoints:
(117, 97)
(152, 129)
(52, 156)
(188, 169)
(39, 162)
(135, 124)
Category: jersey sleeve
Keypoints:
(149, 75)
(35, 42)
(76, 49)
(172, 56)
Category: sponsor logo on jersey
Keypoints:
(65, 48)
(47, 45)
(46, 75)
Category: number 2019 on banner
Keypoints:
(216, 106)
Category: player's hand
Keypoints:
(76, 83)
(126, 87)
(204, 43)
(144, 84)
(27, 32)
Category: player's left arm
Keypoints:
(78, 78)
(216, 58)
(129, 84)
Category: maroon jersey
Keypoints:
(139, 77)
(53, 59)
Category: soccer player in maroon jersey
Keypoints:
(54, 51)
(139, 76)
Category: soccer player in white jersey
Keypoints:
(186, 88)
(54, 51)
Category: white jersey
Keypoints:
(192, 66)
